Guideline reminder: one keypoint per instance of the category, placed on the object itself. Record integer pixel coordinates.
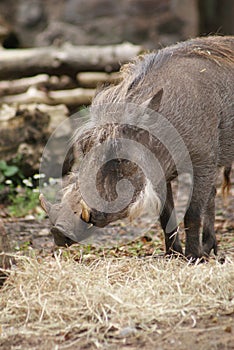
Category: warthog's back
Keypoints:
(197, 78)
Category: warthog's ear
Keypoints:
(155, 101)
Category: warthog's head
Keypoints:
(75, 219)
(113, 170)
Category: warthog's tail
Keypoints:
(226, 185)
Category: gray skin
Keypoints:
(67, 227)
(191, 84)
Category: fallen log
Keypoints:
(93, 79)
(41, 81)
(67, 59)
(71, 97)
(21, 85)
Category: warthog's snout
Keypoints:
(67, 227)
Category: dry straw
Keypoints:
(109, 298)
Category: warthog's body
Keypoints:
(190, 84)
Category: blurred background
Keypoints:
(151, 23)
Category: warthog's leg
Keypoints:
(202, 187)
(192, 223)
(209, 241)
(172, 240)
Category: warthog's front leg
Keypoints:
(169, 225)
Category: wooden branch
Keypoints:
(20, 85)
(69, 97)
(10, 87)
(93, 79)
(67, 59)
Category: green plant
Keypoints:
(7, 171)
(23, 247)
(23, 201)
(19, 194)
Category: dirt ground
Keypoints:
(210, 333)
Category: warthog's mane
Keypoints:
(138, 73)
(218, 49)
(214, 48)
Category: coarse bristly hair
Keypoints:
(147, 202)
(137, 73)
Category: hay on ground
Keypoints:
(111, 298)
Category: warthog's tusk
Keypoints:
(85, 211)
(44, 204)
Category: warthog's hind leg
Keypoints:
(202, 202)
(209, 241)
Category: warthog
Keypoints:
(188, 86)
